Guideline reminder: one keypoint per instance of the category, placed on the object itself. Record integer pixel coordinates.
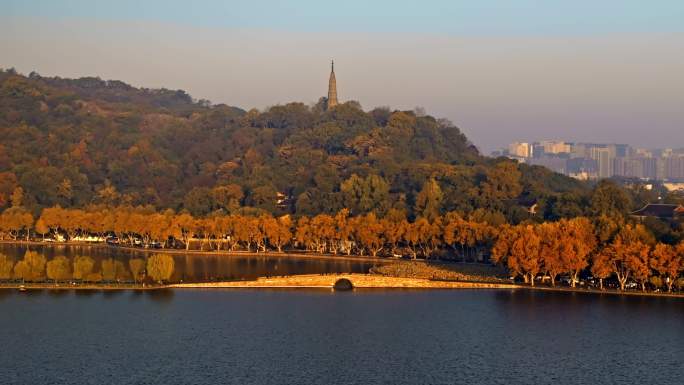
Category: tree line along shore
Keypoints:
(605, 247)
(34, 267)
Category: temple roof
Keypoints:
(659, 210)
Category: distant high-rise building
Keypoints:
(674, 168)
(601, 160)
(604, 157)
(332, 87)
(555, 147)
(520, 149)
(650, 166)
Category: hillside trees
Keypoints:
(107, 143)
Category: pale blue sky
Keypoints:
(478, 17)
(503, 70)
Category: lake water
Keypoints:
(205, 267)
(321, 337)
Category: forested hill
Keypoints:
(87, 141)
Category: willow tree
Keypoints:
(160, 267)
(113, 270)
(137, 266)
(83, 267)
(6, 266)
(58, 269)
(31, 268)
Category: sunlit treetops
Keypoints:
(77, 142)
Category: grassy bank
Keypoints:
(444, 271)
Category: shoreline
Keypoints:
(308, 281)
(326, 282)
(222, 253)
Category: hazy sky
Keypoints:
(502, 70)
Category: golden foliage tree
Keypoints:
(58, 269)
(83, 266)
(6, 266)
(137, 266)
(667, 262)
(31, 268)
(160, 267)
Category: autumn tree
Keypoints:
(322, 232)
(455, 232)
(343, 232)
(304, 232)
(667, 262)
(627, 256)
(160, 267)
(15, 220)
(602, 264)
(429, 200)
(58, 269)
(394, 227)
(183, 227)
(83, 266)
(550, 253)
(369, 233)
(108, 269)
(31, 268)
(277, 231)
(137, 266)
(578, 241)
(519, 247)
(53, 218)
(638, 262)
(6, 266)
(41, 228)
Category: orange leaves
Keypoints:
(553, 247)
(668, 261)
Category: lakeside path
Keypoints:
(372, 281)
(315, 281)
(363, 281)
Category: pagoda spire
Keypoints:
(332, 87)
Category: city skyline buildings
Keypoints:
(584, 160)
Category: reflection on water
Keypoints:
(199, 267)
(160, 296)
